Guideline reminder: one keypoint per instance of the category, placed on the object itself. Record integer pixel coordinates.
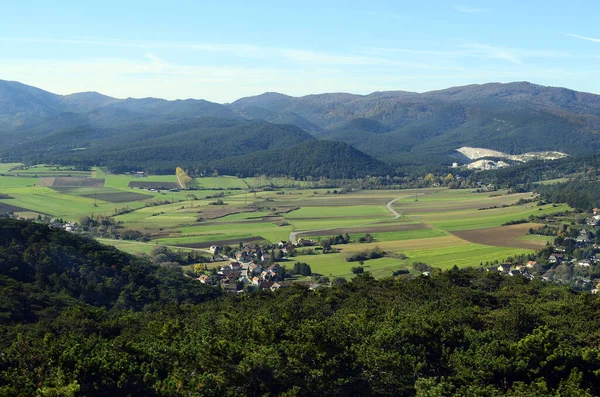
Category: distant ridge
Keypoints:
(396, 127)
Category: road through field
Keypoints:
(393, 211)
(294, 235)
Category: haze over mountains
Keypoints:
(393, 127)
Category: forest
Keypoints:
(81, 319)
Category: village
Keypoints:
(573, 257)
(253, 268)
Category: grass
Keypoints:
(137, 247)
(48, 201)
(15, 181)
(5, 167)
(341, 212)
(473, 219)
(461, 255)
(409, 235)
(221, 182)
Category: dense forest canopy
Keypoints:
(459, 332)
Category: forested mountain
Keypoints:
(334, 160)
(514, 118)
(396, 127)
(154, 333)
(159, 147)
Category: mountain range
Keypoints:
(260, 132)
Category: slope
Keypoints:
(312, 158)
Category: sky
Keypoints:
(224, 50)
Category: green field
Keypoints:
(5, 167)
(422, 231)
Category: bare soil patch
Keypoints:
(70, 182)
(154, 185)
(235, 241)
(502, 236)
(367, 229)
(11, 208)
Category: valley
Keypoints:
(438, 226)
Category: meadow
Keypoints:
(437, 226)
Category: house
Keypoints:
(273, 268)
(204, 279)
(214, 249)
(593, 221)
(531, 264)
(556, 258)
(596, 211)
(231, 287)
(267, 284)
(275, 286)
(584, 263)
(504, 268)
(584, 237)
(305, 242)
(242, 257)
(255, 280)
(255, 269)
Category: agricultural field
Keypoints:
(438, 226)
(6, 167)
(42, 171)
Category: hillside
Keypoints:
(161, 147)
(44, 270)
(459, 332)
(314, 158)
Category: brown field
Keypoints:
(502, 236)
(11, 208)
(366, 229)
(235, 241)
(121, 197)
(154, 185)
(68, 181)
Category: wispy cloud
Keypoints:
(470, 10)
(493, 52)
(584, 37)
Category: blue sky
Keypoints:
(224, 50)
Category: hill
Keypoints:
(334, 160)
(459, 332)
(193, 143)
(45, 270)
